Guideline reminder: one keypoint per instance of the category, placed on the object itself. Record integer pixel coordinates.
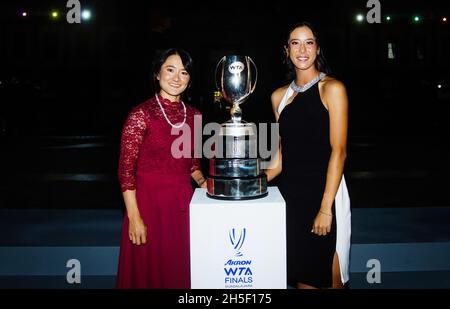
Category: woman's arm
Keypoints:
(196, 168)
(137, 230)
(132, 136)
(275, 166)
(335, 98)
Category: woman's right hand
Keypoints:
(137, 230)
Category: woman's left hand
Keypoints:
(322, 223)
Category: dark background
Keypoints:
(66, 89)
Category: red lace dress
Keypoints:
(163, 192)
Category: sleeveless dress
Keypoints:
(163, 191)
(305, 139)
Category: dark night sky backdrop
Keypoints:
(84, 78)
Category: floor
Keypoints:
(411, 247)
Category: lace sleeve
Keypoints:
(196, 163)
(132, 136)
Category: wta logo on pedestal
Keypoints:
(238, 272)
(237, 242)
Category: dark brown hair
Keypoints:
(320, 62)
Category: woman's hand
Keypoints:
(198, 177)
(204, 184)
(137, 230)
(322, 223)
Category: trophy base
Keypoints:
(237, 188)
(236, 198)
(234, 168)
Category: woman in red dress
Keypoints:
(156, 183)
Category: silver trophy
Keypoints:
(235, 172)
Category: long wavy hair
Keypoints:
(320, 62)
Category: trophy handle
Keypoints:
(256, 75)
(221, 77)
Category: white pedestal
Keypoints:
(238, 244)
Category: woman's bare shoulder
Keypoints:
(278, 94)
(331, 84)
(333, 92)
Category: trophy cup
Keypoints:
(234, 172)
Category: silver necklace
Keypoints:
(308, 85)
(177, 126)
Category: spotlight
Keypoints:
(54, 14)
(23, 14)
(439, 86)
(86, 14)
(416, 18)
(444, 19)
(359, 17)
(388, 18)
